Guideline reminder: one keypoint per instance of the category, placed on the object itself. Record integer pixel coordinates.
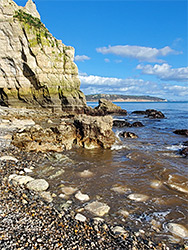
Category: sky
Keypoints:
(124, 47)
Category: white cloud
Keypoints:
(138, 52)
(118, 61)
(91, 84)
(165, 72)
(107, 60)
(81, 58)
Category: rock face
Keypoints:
(84, 131)
(108, 108)
(36, 68)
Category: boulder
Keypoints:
(69, 190)
(181, 132)
(137, 124)
(94, 131)
(152, 113)
(80, 217)
(84, 131)
(128, 135)
(106, 107)
(121, 123)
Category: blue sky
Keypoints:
(124, 47)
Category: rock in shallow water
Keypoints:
(178, 229)
(138, 197)
(68, 190)
(38, 185)
(98, 208)
(81, 197)
(80, 217)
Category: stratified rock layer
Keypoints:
(84, 131)
(36, 68)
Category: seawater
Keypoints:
(134, 165)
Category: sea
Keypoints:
(150, 165)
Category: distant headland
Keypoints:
(123, 98)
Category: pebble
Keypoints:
(138, 197)
(38, 185)
(8, 158)
(19, 179)
(28, 170)
(178, 230)
(69, 190)
(46, 196)
(98, 208)
(124, 213)
(82, 197)
(80, 217)
(85, 174)
(118, 230)
(156, 184)
(120, 189)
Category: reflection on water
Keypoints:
(149, 165)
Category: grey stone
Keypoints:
(38, 185)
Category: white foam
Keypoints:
(117, 147)
(175, 147)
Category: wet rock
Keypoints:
(57, 174)
(184, 152)
(19, 179)
(46, 196)
(38, 185)
(178, 183)
(97, 208)
(124, 213)
(80, 217)
(181, 132)
(156, 184)
(85, 174)
(178, 230)
(94, 131)
(128, 135)
(118, 230)
(121, 189)
(81, 197)
(8, 158)
(138, 197)
(106, 107)
(137, 124)
(84, 131)
(185, 143)
(121, 123)
(69, 190)
(152, 113)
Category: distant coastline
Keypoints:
(123, 98)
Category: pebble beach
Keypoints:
(30, 219)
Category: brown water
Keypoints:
(149, 165)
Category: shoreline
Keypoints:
(29, 221)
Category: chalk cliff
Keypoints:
(36, 69)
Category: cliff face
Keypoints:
(35, 68)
